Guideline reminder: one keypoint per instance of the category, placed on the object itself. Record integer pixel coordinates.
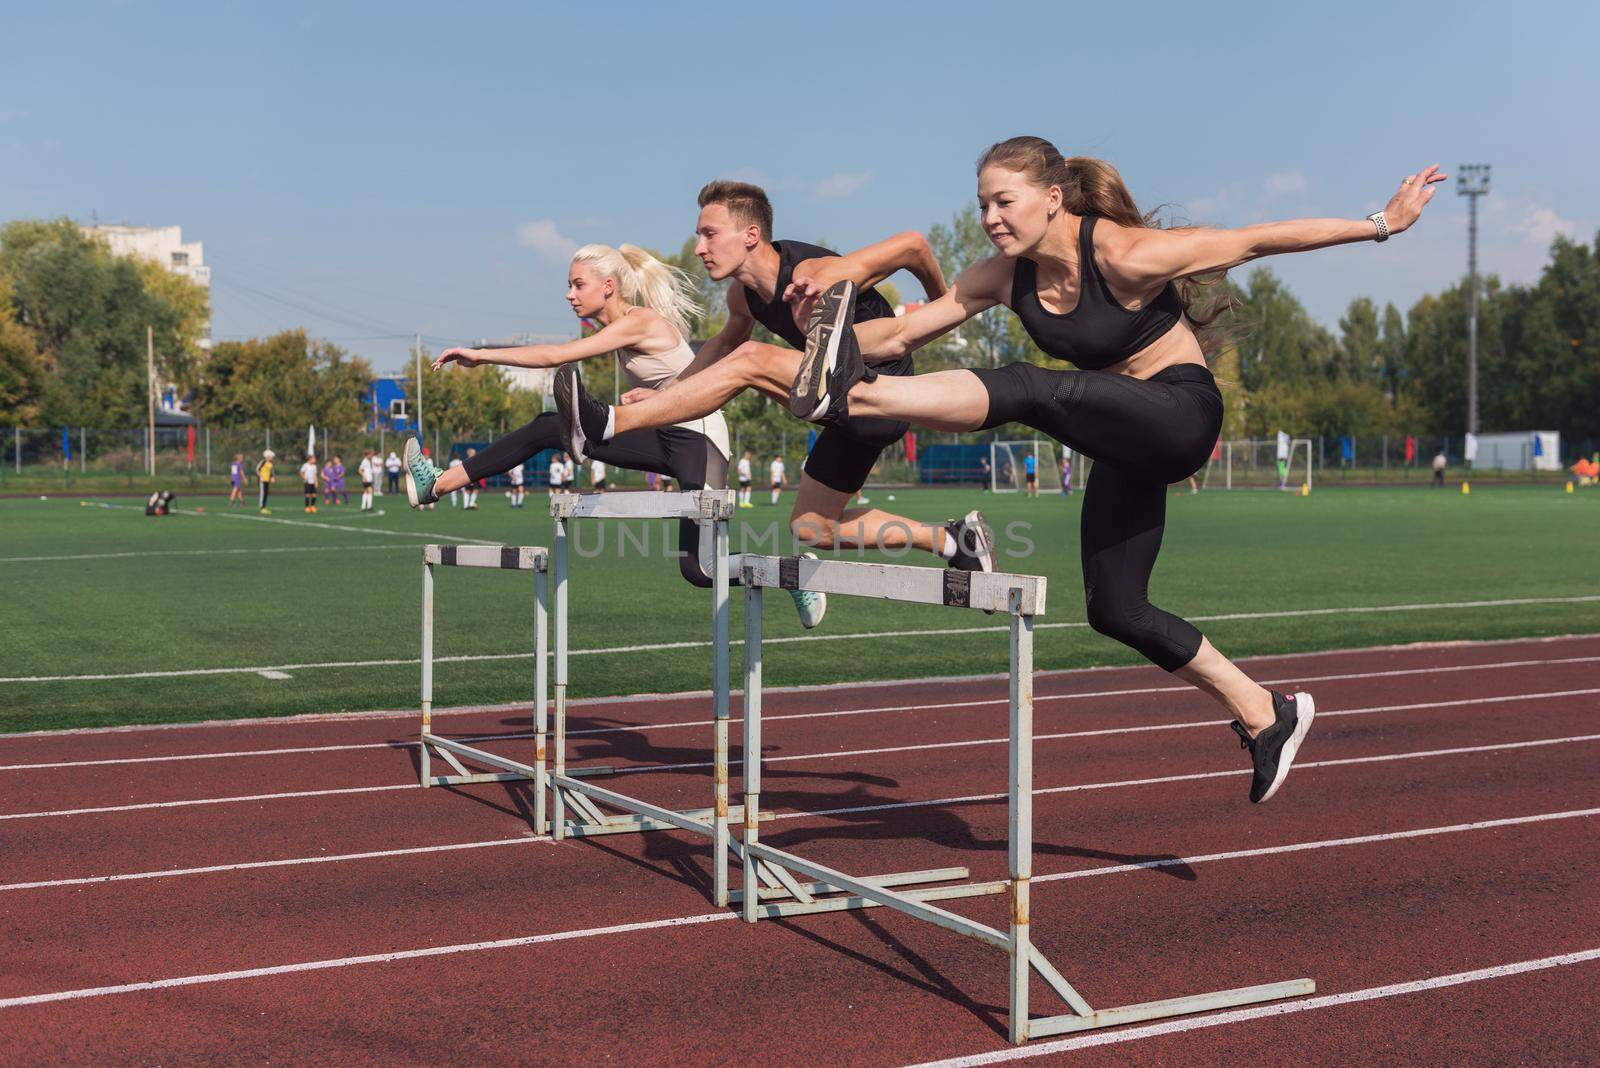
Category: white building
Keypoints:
(159, 244)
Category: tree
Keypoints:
(1279, 342)
(87, 312)
(286, 380)
(23, 369)
(1359, 355)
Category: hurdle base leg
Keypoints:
(1068, 1023)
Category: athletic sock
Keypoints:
(611, 424)
(948, 548)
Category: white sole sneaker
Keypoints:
(1305, 712)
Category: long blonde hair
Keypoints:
(646, 281)
(1092, 186)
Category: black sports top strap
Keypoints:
(1098, 331)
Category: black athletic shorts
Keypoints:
(844, 456)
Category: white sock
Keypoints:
(948, 548)
(611, 424)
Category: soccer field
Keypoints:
(117, 618)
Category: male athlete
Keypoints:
(735, 241)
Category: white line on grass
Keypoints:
(712, 917)
(310, 524)
(192, 802)
(669, 646)
(389, 546)
(588, 732)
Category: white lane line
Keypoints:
(679, 921)
(1083, 873)
(386, 547)
(1300, 765)
(208, 801)
(791, 639)
(644, 727)
(247, 865)
(1282, 1008)
(864, 808)
(370, 958)
(1102, 732)
(1326, 843)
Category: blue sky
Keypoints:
(412, 167)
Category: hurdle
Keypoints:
(1022, 598)
(712, 509)
(501, 558)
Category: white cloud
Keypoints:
(838, 186)
(1284, 183)
(542, 236)
(1540, 226)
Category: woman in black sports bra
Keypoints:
(1093, 283)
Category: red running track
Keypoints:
(1445, 822)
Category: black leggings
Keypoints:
(685, 455)
(1143, 436)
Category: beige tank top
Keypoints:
(659, 372)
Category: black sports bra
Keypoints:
(1098, 331)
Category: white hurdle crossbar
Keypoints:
(712, 509)
(452, 752)
(1021, 597)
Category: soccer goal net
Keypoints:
(1009, 464)
(1255, 463)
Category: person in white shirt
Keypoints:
(745, 478)
(308, 475)
(569, 474)
(392, 467)
(516, 476)
(597, 475)
(557, 468)
(777, 477)
(369, 475)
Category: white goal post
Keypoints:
(1008, 465)
(1252, 463)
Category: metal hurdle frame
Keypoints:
(500, 558)
(712, 509)
(1022, 598)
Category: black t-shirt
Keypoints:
(778, 316)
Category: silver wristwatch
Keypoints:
(1382, 224)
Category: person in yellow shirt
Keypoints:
(264, 476)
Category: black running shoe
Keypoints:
(1274, 749)
(832, 360)
(974, 542)
(583, 419)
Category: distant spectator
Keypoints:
(391, 468)
(236, 480)
(597, 476)
(1439, 463)
(264, 477)
(308, 475)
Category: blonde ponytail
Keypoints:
(647, 282)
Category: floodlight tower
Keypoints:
(1472, 182)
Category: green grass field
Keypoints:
(108, 591)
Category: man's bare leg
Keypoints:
(821, 520)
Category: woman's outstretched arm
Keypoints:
(627, 332)
(1142, 259)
